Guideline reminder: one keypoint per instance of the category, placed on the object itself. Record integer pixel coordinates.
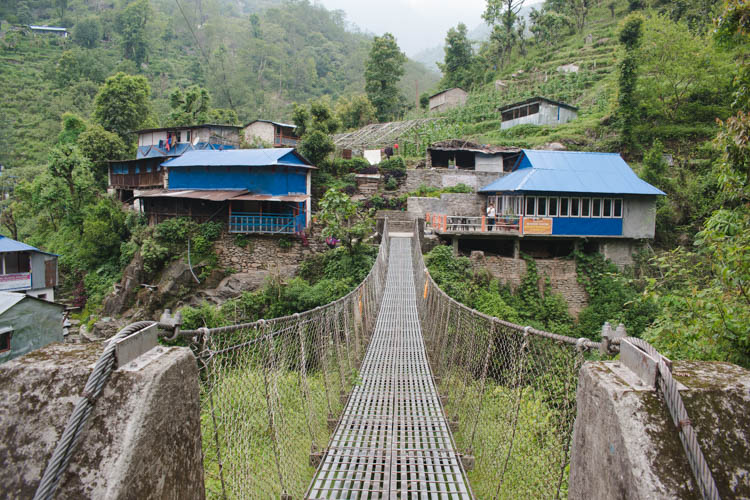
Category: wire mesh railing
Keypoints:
(508, 390)
(273, 391)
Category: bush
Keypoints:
(391, 184)
(393, 167)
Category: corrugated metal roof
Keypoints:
(572, 172)
(286, 125)
(48, 28)
(447, 90)
(184, 127)
(10, 245)
(462, 145)
(194, 194)
(240, 158)
(296, 198)
(9, 299)
(536, 99)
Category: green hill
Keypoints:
(255, 57)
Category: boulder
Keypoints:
(125, 292)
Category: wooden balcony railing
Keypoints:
(469, 224)
(148, 179)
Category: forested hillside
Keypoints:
(254, 57)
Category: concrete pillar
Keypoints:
(626, 445)
(578, 245)
(143, 437)
(455, 246)
(517, 248)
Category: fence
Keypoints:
(510, 390)
(273, 390)
(265, 223)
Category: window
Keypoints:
(564, 206)
(188, 135)
(575, 207)
(541, 206)
(5, 335)
(585, 207)
(16, 262)
(618, 208)
(530, 205)
(596, 207)
(179, 136)
(607, 210)
(552, 207)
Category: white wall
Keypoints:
(639, 217)
(261, 130)
(488, 163)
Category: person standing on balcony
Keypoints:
(490, 216)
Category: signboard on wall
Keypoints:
(16, 281)
(537, 225)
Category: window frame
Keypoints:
(596, 214)
(539, 201)
(607, 202)
(526, 210)
(567, 207)
(586, 202)
(6, 332)
(575, 202)
(549, 205)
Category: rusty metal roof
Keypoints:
(297, 198)
(195, 194)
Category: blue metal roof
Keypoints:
(240, 158)
(572, 172)
(10, 245)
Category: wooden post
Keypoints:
(484, 224)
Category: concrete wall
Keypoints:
(619, 251)
(35, 324)
(419, 206)
(39, 270)
(262, 130)
(143, 439)
(626, 445)
(561, 272)
(448, 99)
(639, 217)
(446, 177)
(488, 163)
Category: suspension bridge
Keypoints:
(393, 391)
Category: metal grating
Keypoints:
(393, 440)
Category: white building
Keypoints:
(537, 111)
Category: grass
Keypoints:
(262, 449)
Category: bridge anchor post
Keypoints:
(468, 460)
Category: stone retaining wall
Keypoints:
(562, 274)
(446, 177)
(265, 252)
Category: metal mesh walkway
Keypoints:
(393, 439)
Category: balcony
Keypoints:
(285, 140)
(262, 223)
(141, 180)
(459, 224)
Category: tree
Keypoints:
(72, 126)
(193, 107)
(355, 111)
(122, 104)
(314, 124)
(502, 16)
(131, 24)
(677, 68)
(61, 6)
(383, 70)
(549, 26)
(630, 38)
(63, 160)
(458, 59)
(341, 220)
(424, 100)
(87, 32)
(99, 146)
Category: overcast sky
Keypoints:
(416, 24)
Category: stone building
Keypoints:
(278, 135)
(537, 111)
(448, 99)
(467, 155)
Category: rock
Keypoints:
(105, 328)
(568, 68)
(554, 146)
(132, 277)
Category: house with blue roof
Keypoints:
(155, 145)
(265, 191)
(26, 269)
(561, 199)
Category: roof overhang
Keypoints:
(532, 100)
(194, 194)
(293, 198)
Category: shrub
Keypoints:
(393, 167)
(391, 184)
